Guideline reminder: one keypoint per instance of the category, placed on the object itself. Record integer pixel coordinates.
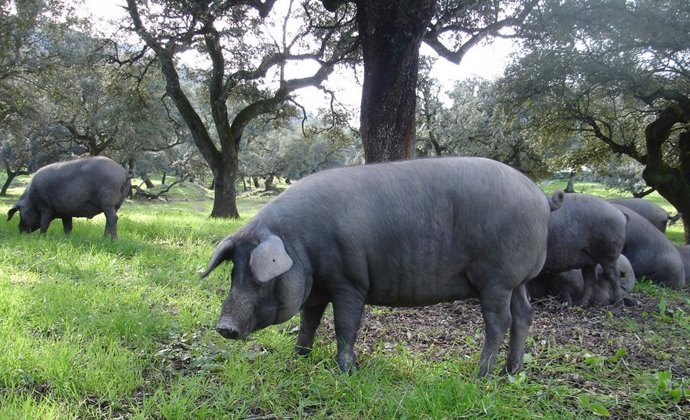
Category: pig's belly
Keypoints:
(84, 210)
(409, 292)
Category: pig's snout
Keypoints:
(228, 331)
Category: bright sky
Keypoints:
(486, 61)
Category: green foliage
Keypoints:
(603, 88)
(594, 406)
(473, 124)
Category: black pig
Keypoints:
(78, 188)
(587, 231)
(651, 254)
(651, 211)
(395, 234)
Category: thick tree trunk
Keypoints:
(224, 203)
(268, 183)
(672, 183)
(147, 181)
(391, 33)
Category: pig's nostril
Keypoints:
(228, 332)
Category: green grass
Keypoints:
(91, 328)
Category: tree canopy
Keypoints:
(245, 62)
(615, 73)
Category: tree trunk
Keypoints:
(224, 203)
(569, 188)
(10, 177)
(147, 181)
(163, 179)
(268, 183)
(391, 33)
(672, 183)
(255, 180)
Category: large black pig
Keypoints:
(569, 286)
(395, 234)
(654, 213)
(78, 188)
(651, 254)
(587, 231)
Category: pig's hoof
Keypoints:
(583, 303)
(348, 365)
(513, 368)
(628, 301)
(302, 351)
(618, 304)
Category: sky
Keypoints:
(485, 61)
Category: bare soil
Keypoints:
(560, 334)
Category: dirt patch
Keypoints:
(649, 339)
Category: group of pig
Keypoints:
(596, 248)
(407, 233)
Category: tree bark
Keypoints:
(268, 183)
(672, 183)
(147, 181)
(391, 34)
(224, 204)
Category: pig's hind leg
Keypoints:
(521, 313)
(495, 305)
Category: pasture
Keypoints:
(91, 328)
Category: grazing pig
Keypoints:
(586, 231)
(408, 233)
(569, 285)
(654, 213)
(651, 254)
(78, 188)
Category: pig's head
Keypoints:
(29, 218)
(267, 286)
(626, 273)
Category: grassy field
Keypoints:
(91, 328)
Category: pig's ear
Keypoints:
(223, 252)
(12, 211)
(269, 259)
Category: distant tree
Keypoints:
(293, 151)
(429, 110)
(64, 93)
(25, 131)
(473, 123)
(247, 65)
(24, 28)
(615, 73)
